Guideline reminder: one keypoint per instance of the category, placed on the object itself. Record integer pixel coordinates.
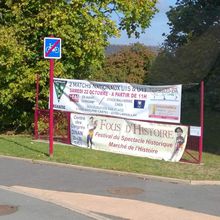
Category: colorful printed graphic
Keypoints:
(123, 100)
(59, 88)
(139, 104)
(143, 139)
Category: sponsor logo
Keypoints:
(59, 88)
(74, 97)
(139, 104)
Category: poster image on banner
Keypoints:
(123, 100)
(143, 139)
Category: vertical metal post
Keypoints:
(201, 120)
(69, 129)
(36, 109)
(51, 108)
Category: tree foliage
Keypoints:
(191, 53)
(190, 19)
(191, 50)
(193, 62)
(84, 27)
(130, 64)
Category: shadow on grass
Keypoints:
(25, 146)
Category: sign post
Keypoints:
(51, 108)
(52, 50)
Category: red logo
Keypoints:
(74, 97)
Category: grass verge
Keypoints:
(25, 147)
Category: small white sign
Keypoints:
(195, 131)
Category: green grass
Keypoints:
(25, 147)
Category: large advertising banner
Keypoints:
(144, 139)
(131, 101)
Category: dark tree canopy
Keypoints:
(191, 53)
(189, 19)
(192, 62)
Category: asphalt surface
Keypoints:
(198, 198)
(30, 208)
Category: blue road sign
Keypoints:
(52, 48)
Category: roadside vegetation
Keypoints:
(190, 54)
(25, 147)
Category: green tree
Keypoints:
(191, 53)
(192, 62)
(130, 64)
(189, 19)
(84, 27)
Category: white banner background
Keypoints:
(131, 101)
(144, 139)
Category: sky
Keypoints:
(153, 35)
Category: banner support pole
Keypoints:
(36, 109)
(201, 120)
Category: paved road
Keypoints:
(199, 198)
(27, 208)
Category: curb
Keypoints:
(119, 173)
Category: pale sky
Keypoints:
(153, 35)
